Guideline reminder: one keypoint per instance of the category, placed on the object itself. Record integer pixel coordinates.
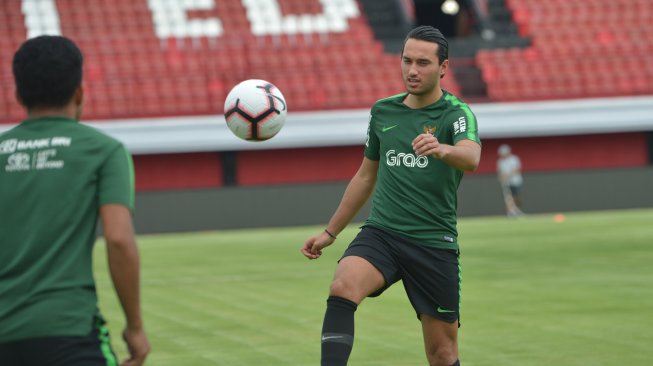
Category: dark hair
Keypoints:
(47, 71)
(431, 34)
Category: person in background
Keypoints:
(510, 179)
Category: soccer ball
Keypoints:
(255, 110)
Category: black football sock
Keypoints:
(338, 331)
(457, 363)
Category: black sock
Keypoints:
(457, 363)
(338, 331)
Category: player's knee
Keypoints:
(441, 355)
(345, 289)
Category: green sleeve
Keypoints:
(463, 125)
(372, 143)
(116, 179)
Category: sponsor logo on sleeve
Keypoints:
(460, 126)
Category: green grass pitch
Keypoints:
(535, 292)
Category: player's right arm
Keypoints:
(123, 258)
(358, 191)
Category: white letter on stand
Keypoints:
(266, 18)
(170, 19)
(41, 18)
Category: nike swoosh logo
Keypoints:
(338, 338)
(384, 129)
(331, 337)
(441, 310)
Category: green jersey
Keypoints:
(415, 196)
(55, 174)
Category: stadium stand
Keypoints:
(155, 58)
(137, 68)
(579, 49)
(137, 65)
(144, 63)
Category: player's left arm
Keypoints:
(465, 155)
(116, 201)
(464, 151)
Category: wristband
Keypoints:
(329, 233)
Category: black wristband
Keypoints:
(329, 233)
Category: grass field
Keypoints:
(535, 292)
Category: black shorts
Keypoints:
(431, 276)
(514, 190)
(91, 350)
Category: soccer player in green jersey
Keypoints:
(57, 177)
(419, 143)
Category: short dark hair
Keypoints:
(47, 71)
(431, 34)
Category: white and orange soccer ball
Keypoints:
(255, 110)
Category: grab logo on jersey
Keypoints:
(8, 146)
(392, 158)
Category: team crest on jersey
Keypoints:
(429, 129)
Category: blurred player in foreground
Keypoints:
(510, 179)
(418, 145)
(57, 177)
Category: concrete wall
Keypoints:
(580, 190)
(289, 205)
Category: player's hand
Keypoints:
(313, 246)
(426, 144)
(138, 347)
